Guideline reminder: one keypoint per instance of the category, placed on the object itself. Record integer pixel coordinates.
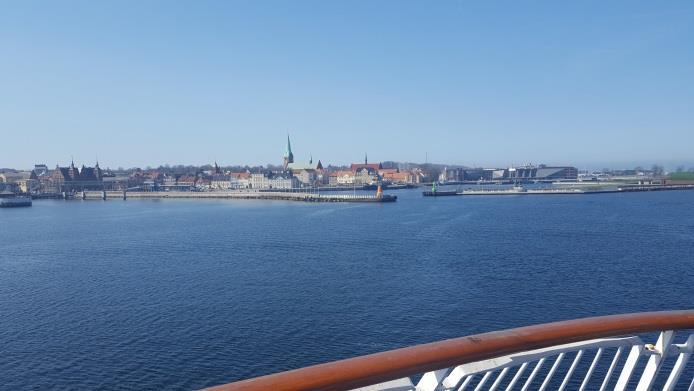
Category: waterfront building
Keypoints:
(371, 167)
(40, 171)
(455, 174)
(203, 182)
(240, 180)
(267, 181)
(404, 177)
(13, 176)
(73, 179)
(43, 176)
(476, 174)
(543, 172)
(443, 176)
(149, 185)
(385, 171)
(220, 182)
(309, 174)
(366, 173)
(179, 183)
(186, 182)
(28, 186)
(18, 181)
(370, 173)
(366, 176)
(169, 182)
(230, 181)
(342, 177)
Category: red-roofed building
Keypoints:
(398, 177)
(341, 178)
(371, 167)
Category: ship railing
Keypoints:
(599, 353)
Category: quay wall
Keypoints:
(307, 197)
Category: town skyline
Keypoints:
(669, 165)
(596, 166)
(674, 165)
(469, 84)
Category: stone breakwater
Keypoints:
(246, 195)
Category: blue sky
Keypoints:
(477, 83)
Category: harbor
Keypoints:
(235, 263)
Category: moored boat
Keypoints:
(11, 200)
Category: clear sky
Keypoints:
(469, 82)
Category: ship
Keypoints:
(11, 200)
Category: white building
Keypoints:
(266, 182)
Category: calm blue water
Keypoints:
(183, 294)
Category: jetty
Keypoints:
(519, 190)
(233, 195)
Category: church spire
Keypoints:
(288, 155)
(288, 150)
(366, 158)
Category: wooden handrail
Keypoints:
(394, 364)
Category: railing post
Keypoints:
(685, 354)
(659, 352)
(431, 380)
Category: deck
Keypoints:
(600, 353)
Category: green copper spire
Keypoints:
(288, 155)
(288, 151)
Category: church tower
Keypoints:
(73, 171)
(288, 155)
(97, 171)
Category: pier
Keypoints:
(249, 195)
(555, 191)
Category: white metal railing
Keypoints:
(531, 370)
